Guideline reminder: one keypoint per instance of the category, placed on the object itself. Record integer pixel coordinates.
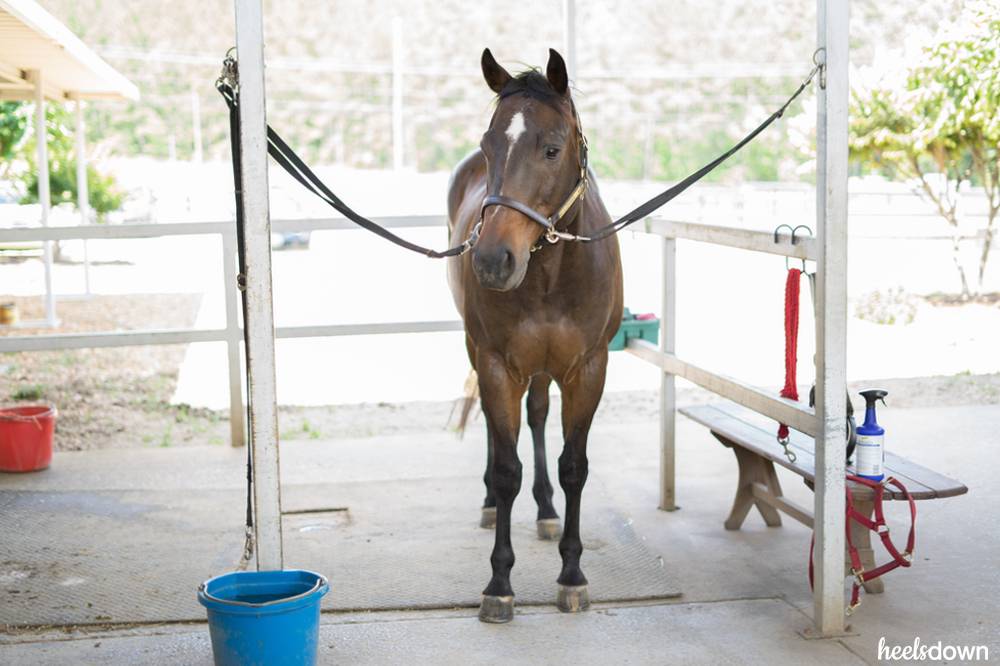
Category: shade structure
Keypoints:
(31, 39)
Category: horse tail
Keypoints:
(465, 404)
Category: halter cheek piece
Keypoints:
(578, 193)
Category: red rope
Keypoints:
(791, 390)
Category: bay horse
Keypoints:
(536, 307)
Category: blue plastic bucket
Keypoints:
(264, 617)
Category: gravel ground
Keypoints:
(120, 397)
(108, 397)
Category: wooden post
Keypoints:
(260, 315)
(831, 325)
(82, 193)
(668, 389)
(44, 198)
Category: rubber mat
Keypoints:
(69, 558)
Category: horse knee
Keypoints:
(573, 469)
(507, 477)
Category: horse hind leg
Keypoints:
(547, 524)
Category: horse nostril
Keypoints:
(508, 262)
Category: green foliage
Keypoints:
(13, 125)
(103, 193)
(947, 113)
(30, 392)
(943, 117)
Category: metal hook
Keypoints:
(821, 65)
(796, 230)
(778, 228)
(803, 270)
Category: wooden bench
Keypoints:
(751, 436)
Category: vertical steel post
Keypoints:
(668, 389)
(831, 325)
(44, 198)
(82, 190)
(569, 38)
(260, 313)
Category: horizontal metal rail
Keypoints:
(181, 335)
(120, 231)
(805, 247)
(777, 408)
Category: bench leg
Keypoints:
(861, 536)
(753, 469)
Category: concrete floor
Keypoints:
(746, 595)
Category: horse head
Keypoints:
(535, 160)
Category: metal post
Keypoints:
(82, 194)
(397, 93)
(234, 340)
(831, 325)
(44, 198)
(569, 38)
(196, 124)
(260, 315)
(668, 389)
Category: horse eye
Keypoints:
(551, 152)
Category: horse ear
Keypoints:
(555, 72)
(495, 75)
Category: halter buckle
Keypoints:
(859, 575)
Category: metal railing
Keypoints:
(232, 333)
(766, 403)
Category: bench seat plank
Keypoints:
(756, 432)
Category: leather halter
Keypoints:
(578, 193)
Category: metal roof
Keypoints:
(33, 39)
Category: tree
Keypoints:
(943, 119)
(102, 192)
(13, 125)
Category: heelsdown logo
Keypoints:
(920, 651)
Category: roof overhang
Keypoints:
(31, 40)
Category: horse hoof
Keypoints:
(489, 518)
(573, 598)
(549, 529)
(496, 610)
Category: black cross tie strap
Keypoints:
(300, 171)
(228, 86)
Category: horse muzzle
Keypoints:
(498, 268)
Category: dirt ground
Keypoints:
(115, 398)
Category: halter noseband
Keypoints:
(578, 193)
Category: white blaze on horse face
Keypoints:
(514, 132)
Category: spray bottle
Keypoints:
(870, 452)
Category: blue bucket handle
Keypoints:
(320, 582)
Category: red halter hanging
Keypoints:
(791, 390)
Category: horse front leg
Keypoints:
(502, 407)
(488, 518)
(580, 399)
(547, 523)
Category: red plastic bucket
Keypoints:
(26, 437)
